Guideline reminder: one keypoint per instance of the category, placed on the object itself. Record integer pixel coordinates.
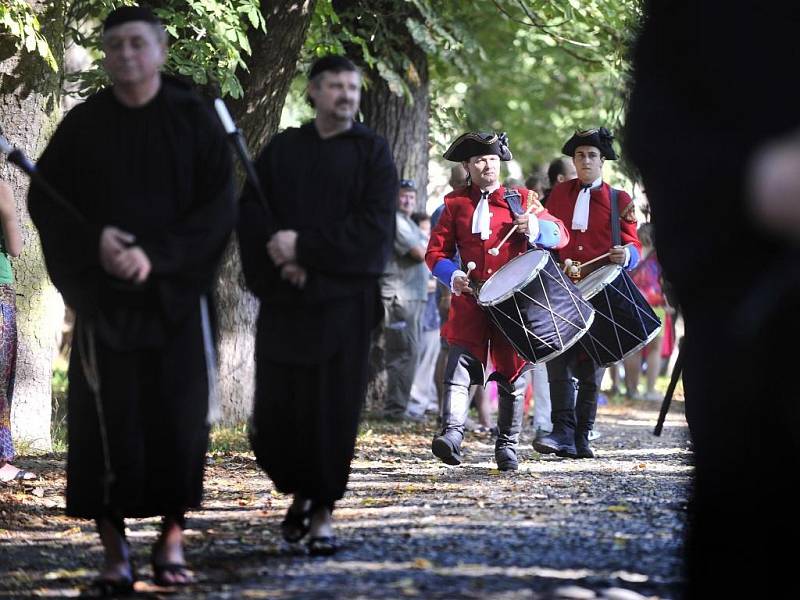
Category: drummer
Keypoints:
(585, 203)
(474, 220)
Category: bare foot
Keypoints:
(9, 472)
(168, 562)
(117, 567)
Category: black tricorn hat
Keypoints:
(599, 138)
(478, 143)
(126, 14)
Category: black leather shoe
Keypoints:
(506, 458)
(556, 444)
(447, 448)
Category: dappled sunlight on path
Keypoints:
(409, 525)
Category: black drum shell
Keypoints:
(550, 306)
(624, 321)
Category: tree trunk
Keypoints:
(403, 120)
(29, 112)
(272, 67)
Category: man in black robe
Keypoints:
(714, 85)
(146, 180)
(314, 257)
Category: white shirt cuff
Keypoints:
(456, 273)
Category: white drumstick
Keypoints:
(496, 250)
(567, 264)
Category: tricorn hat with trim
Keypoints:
(478, 143)
(600, 138)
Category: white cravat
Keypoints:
(481, 221)
(580, 214)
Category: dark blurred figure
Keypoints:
(535, 182)
(728, 273)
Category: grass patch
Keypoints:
(58, 419)
(229, 438)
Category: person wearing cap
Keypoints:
(404, 289)
(146, 174)
(314, 260)
(585, 203)
(474, 220)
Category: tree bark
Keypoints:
(272, 67)
(29, 112)
(402, 119)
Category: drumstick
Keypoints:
(588, 262)
(470, 267)
(496, 250)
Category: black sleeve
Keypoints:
(191, 246)
(360, 243)
(253, 231)
(70, 242)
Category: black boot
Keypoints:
(511, 400)
(582, 448)
(505, 457)
(447, 447)
(585, 413)
(562, 439)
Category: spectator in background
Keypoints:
(10, 246)
(535, 182)
(424, 396)
(560, 169)
(647, 277)
(404, 289)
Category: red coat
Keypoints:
(468, 325)
(596, 239)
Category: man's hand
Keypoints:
(617, 255)
(113, 241)
(294, 274)
(461, 285)
(521, 221)
(282, 247)
(132, 264)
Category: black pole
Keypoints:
(676, 374)
(237, 140)
(18, 158)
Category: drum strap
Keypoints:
(615, 234)
(514, 200)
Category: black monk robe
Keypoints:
(340, 195)
(163, 173)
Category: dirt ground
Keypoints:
(611, 527)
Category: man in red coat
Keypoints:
(585, 203)
(475, 218)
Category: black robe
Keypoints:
(312, 345)
(162, 172)
(712, 85)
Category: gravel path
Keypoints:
(611, 527)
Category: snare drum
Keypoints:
(538, 309)
(624, 321)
